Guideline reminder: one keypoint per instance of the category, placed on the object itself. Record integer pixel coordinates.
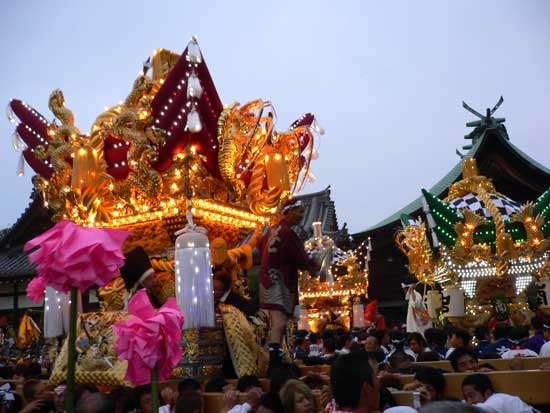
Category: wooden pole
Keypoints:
(155, 390)
(71, 359)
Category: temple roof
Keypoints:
(489, 146)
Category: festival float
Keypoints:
(479, 247)
(176, 168)
(333, 298)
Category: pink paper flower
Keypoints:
(150, 338)
(75, 256)
(35, 289)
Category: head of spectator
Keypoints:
(383, 336)
(458, 337)
(329, 346)
(269, 403)
(296, 397)
(518, 335)
(190, 401)
(301, 343)
(215, 384)
(32, 371)
(428, 356)
(343, 341)
(221, 282)
(397, 339)
(464, 359)
(144, 399)
(83, 389)
(477, 388)
(95, 403)
(246, 382)
(536, 324)
(124, 399)
(314, 338)
(33, 389)
(354, 385)
(386, 399)
(372, 344)
(391, 381)
(416, 342)
(281, 374)
(401, 362)
(450, 407)
(482, 333)
(188, 385)
(314, 381)
(435, 336)
(501, 331)
(169, 396)
(433, 381)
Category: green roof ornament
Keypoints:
(485, 123)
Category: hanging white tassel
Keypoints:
(314, 155)
(21, 165)
(193, 51)
(194, 88)
(17, 142)
(10, 114)
(435, 240)
(194, 124)
(310, 177)
(316, 127)
(431, 221)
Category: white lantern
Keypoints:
(194, 291)
(358, 315)
(56, 312)
(543, 293)
(433, 302)
(453, 302)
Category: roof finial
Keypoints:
(484, 123)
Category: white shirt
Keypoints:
(504, 403)
(240, 408)
(523, 352)
(449, 352)
(545, 350)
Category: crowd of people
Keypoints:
(366, 366)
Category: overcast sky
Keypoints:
(385, 78)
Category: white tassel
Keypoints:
(193, 51)
(310, 177)
(21, 165)
(17, 142)
(194, 88)
(431, 221)
(10, 114)
(314, 155)
(435, 240)
(316, 127)
(194, 124)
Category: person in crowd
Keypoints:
(501, 342)
(384, 340)
(95, 403)
(518, 336)
(428, 356)
(386, 399)
(449, 407)
(536, 341)
(282, 254)
(190, 401)
(168, 397)
(373, 318)
(483, 338)
(401, 362)
(187, 385)
(223, 292)
(355, 388)
(37, 398)
(478, 391)
(436, 340)
(253, 396)
(343, 343)
(315, 381)
(296, 397)
(315, 345)
(269, 403)
(465, 359)
(281, 374)
(247, 382)
(301, 349)
(124, 398)
(418, 319)
(458, 338)
(144, 400)
(137, 273)
(329, 351)
(545, 349)
(417, 343)
(430, 382)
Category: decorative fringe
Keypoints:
(194, 124)
(21, 165)
(194, 88)
(193, 51)
(17, 142)
(316, 127)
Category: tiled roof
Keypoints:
(15, 264)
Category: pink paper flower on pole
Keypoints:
(35, 289)
(150, 338)
(75, 256)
